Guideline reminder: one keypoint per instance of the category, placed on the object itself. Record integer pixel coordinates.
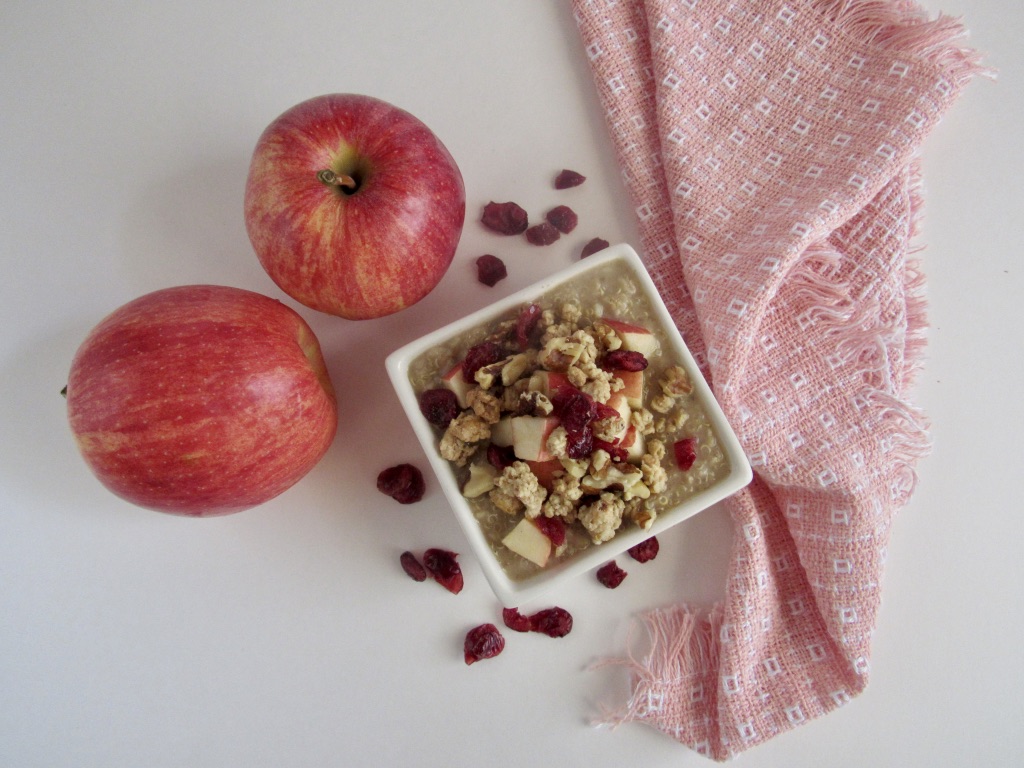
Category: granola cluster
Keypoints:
(595, 471)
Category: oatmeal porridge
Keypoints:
(567, 420)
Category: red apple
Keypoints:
(353, 206)
(201, 400)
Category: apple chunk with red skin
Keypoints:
(548, 383)
(546, 471)
(456, 382)
(201, 400)
(527, 540)
(530, 436)
(632, 387)
(635, 338)
(353, 206)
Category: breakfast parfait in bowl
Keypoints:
(569, 417)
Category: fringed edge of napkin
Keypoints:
(904, 26)
(680, 645)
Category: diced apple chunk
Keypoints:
(456, 382)
(546, 471)
(548, 382)
(633, 387)
(530, 436)
(635, 338)
(527, 540)
(501, 433)
(620, 403)
(635, 444)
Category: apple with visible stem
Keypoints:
(353, 206)
(201, 400)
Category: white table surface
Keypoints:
(287, 635)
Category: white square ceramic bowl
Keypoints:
(516, 593)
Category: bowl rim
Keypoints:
(516, 593)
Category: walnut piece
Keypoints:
(676, 382)
(533, 403)
(481, 480)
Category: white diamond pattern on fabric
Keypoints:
(768, 147)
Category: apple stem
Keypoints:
(346, 182)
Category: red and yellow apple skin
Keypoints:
(353, 206)
(201, 400)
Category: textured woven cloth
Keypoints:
(769, 148)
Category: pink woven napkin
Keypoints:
(769, 149)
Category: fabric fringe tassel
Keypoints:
(916, 337)
(680, 643)
(859, 341)
(904, 26)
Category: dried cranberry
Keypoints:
(490, 270)
(563, 218)
(526, 325)
(595, 245)
(624, 360)
(505, 218)
(444, 568)
(542, 234)
(402, 482)
(514, 620)
(483, 642)
(478, 356)
(553, 528)
(645, 550)
(604, 411)
(575, 408)
(610, 574)
(439, 406)
(499, 456)
(413, 567)
(686, 452)
(553, 622)
(567, 178)
(580, 445)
